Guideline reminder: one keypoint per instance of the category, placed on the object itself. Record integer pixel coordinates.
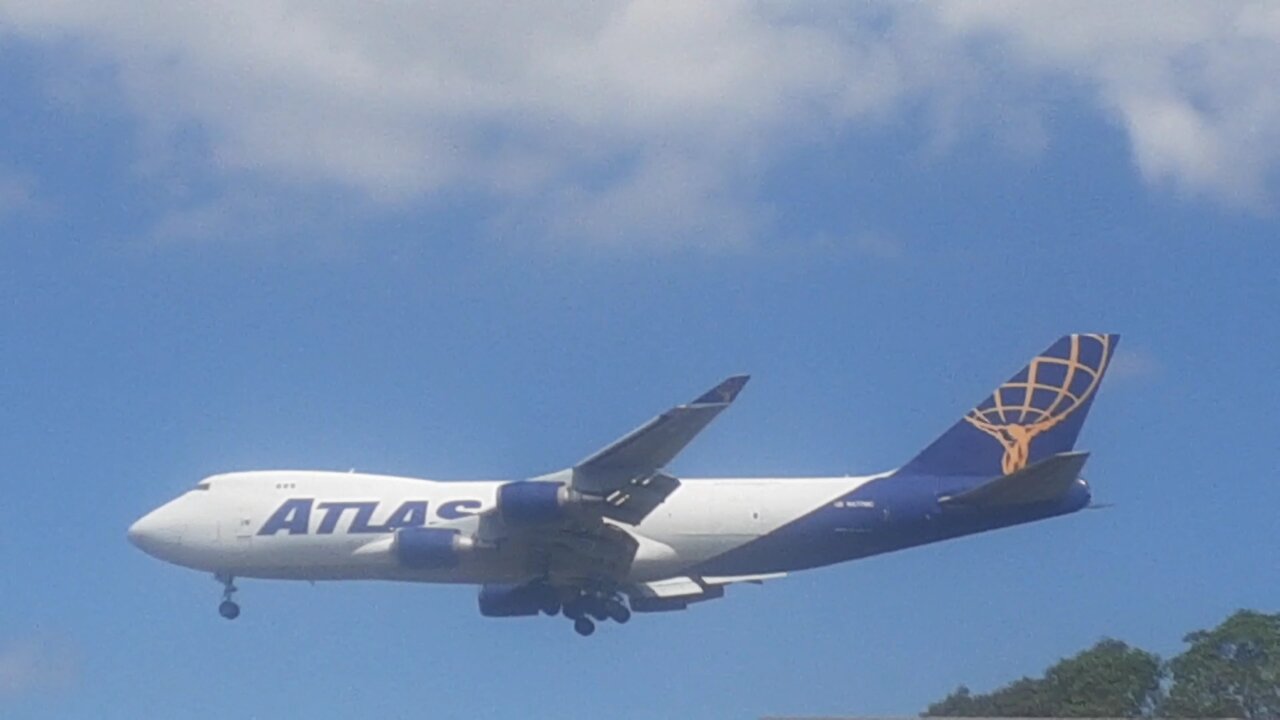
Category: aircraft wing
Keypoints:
(628, 475)
(561, 523)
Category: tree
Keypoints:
(1110, 679)
(1231, 671)
(1021, 698)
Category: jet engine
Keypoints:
(425, 548)
(535, 502)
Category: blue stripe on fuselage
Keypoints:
(886, 514)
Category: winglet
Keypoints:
(724, 393)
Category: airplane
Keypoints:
(617, 533)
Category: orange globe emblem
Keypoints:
(1054, 387)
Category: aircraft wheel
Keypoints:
(573, 610)
(597, 607)
(549, 601)
(618, 612)
(229, 610)
(583, 626)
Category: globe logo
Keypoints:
(1040, 397)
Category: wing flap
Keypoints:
(732, 579)
(670, 588)
(677, 593)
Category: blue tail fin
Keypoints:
(1037, 413)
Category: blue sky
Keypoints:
(482, 243)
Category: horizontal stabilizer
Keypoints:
(1048, 479)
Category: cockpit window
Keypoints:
(202, 485)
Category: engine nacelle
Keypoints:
(534, 502)
(426, 548)
(516, 600)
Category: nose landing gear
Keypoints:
(228, 607)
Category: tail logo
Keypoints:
(1036, 400)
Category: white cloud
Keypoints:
(666, 201)
(639, 121)
(35, 665)
(1189, 81)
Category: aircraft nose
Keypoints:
(143, 531)
(153, 533)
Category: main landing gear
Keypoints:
(228, 607)
(590, 607)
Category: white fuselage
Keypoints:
(307, 525)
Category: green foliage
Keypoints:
(1232, 670)
(1110, 679)
(1022, 698)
